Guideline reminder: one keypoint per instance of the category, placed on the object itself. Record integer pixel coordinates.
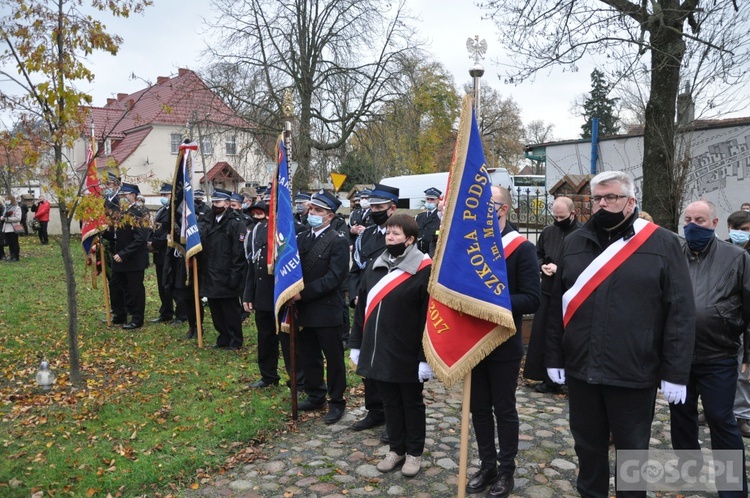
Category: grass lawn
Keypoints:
(156, 412)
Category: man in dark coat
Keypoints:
(157, 245)
(360, 218)
(324, 254)
(128, 236)
(235, 202)
(622, 333)
(301, 207)
(201, 208)
(428, 221)
(547, 250)
(369, 246)
(495, 378)
(222, 268)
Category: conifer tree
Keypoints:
(599, 105)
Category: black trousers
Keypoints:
(373, 399)
(14, 249)
(268, 350)
(166, 310)
(534, 368)
(43, 238)
(226, 314)
(185, 300)
(595, 412)
(326, 341)
(404, 416)
(493, 401)
(128, 295)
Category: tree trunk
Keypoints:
(70, 278)
(662, 196)
(303, 147)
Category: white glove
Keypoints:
(673, 393)
(354, 356)
(557, 375)
(425, 372)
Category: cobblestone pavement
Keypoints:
(334, 461)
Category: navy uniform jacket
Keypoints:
(258, 283)
(525, 295)
(322, 304)
(429, 223)
(222, 261)
(158, 237)
(369, 245)
(128, 238)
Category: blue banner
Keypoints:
(287, 268)
(184, 230)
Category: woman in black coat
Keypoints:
(387, 339)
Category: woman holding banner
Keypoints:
(387, 340)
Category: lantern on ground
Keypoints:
(45, 377)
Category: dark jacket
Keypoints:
(369, 245)
(158, 236)
(548, 247)
(721, 286)
(258, 283)
(322, 304)
(128, 236)
(359, 216)
(429, 224)
(222, 264)
(637, 327)
(523, 285)
(390, 342)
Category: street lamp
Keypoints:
(477, 49)
(45, 378)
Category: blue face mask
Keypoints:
(108, 192)
(697, 236)
(429, 206)
(739, 237)
(314, 220)
(164, 201)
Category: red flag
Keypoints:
(91, 226)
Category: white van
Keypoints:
(411, 187)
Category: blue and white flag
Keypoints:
(283, 255)
(183, 234)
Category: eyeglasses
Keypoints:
(497, 205)
(609, 198)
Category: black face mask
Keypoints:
(564, 224)
(218, 210)
(396, 250)
(380, 217)
(609, 220)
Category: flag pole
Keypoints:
(464, 451)
(198, 304)
(105, 285)
(293, 358)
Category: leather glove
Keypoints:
(425, 372)
(354, 356)
(673, 393)
(557, 375)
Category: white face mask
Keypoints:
(364, 203)
(314, 220)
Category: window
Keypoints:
(207, 147)
(175, 140)
(231, 145)
(108, 147)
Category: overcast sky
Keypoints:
(170, 35)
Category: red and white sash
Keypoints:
(603, 266)
(511, 241)
(388, 283)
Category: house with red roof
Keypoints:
(138, 136)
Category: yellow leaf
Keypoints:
(195, 485)
(90, 492)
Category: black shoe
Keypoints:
(260, 384)
(217, 346)
(233, 348)
(178, 321)
(310, 405)
(384, 437)
(483, 478)
(190, 334)
(160, 319)
(545, 388)
(502, 487)
(116, 321)
(132, 326)
(334, 414)
(368, 422)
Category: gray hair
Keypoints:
(623, 179)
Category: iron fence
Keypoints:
(532, 210)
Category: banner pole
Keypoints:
(463, 454)
(198, 304)
(293, 359)
(105, 283)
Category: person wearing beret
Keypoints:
(128, 237)
(222, 268)
(324, 254)
(428, 221)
